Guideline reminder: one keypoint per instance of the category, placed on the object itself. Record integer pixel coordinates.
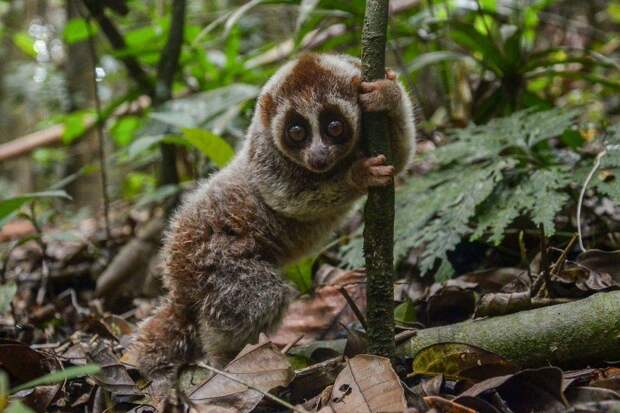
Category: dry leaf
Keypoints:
(367, 384)
(262, 366)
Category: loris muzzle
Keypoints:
(294, 180)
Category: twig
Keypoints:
(354, 307)
(290, 345)
(582, 194)
(562, 258)
(264, 393)
(404, 335)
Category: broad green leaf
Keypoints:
(25, 43)
(300, 274)
(212, 146)
(477, 43)
(77, 30)
(7, 292)
(59, 376)
(18, 407)
(10, 205)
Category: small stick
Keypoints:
(354, 307)
(562, 258)
(404, 335)
(249, 386)
(290, 345)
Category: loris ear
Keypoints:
(266, 106)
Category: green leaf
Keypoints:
(300, 274)
(7, 292)
(77, 30)
(10, 205)
(125, 129)
(18, 407)
(59, 376)
(212, 146)
(75, 125)
(25, 43)
(405, 313)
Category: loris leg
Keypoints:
(165, 341)
(246, 297)
(388, 95)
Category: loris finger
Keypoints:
(390, 74)
(379, 180)
(375, 160)
(372, 102)
(381, 171)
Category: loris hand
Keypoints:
(380, 95)
(371, 172)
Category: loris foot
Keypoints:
(380, 95)
(371, 172)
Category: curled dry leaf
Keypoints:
(261, 366)
(530, 390)
(461, 362)
(367, 384)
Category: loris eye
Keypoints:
(335, 128)
(297, 133)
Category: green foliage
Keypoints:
(25, 43)
(77, 30)
(300, 274)
(484, 179)
(9, 206)
(212, 146)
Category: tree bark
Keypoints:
(379, 210)
(566, 335)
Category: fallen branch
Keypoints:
(568, 335)
(132, 258)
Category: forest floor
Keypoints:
(62, 346)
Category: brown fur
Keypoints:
(228, 240)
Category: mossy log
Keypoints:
(566, 335)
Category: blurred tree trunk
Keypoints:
(86, 190)
(14, 120)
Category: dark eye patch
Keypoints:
(334, 126)
(297, 130)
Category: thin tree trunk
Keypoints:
(379, 211)
(168, 66)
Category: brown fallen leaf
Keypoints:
(602, 262)
(261, 366)
(367, 384)
(526, 391)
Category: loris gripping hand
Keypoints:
(298, 174)
(385, 95)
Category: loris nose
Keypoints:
(318, 157)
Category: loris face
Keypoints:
(311, 109)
